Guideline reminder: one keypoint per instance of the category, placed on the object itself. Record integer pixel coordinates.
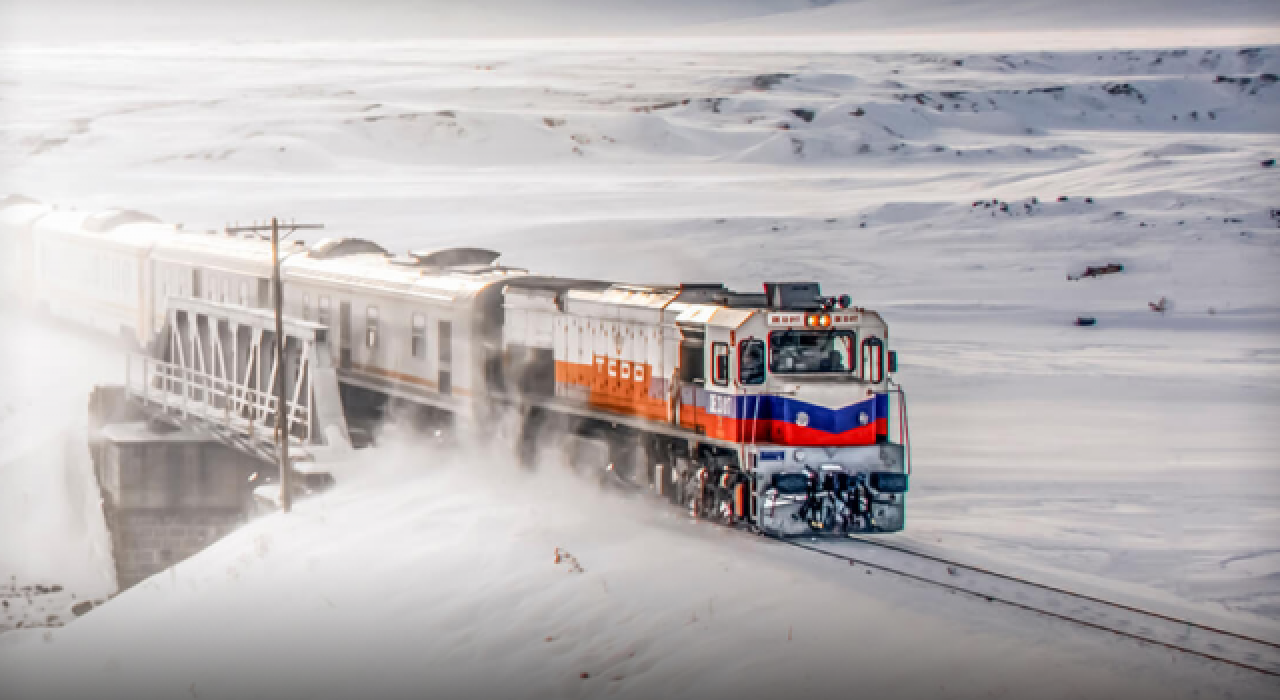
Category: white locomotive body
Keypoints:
(764, 409)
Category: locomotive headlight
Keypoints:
(802, 419)
(811, 320)
(863, 418)
(824, 320)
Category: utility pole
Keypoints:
(283, 414)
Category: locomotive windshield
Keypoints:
(802, 352)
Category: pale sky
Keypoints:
(78, 21)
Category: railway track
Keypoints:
(1184, 636)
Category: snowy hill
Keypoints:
(479, 580)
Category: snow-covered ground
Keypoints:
(442, 580)
(1136, 459)
(51, 526)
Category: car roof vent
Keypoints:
(111, 218)
(455, 257)
(329, 248)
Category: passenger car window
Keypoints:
(371, 327)
(751, 362)
(323, 312)
(720, 364)
(418, 343)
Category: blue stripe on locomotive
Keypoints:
(785, 408)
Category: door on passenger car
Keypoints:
(444, 381)
(344, 334)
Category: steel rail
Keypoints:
(1030, 608)
(1063, 591)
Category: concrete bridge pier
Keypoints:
(167, 492)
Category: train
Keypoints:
(773, 410)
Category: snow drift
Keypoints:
(425, 574)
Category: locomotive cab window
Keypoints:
(751, 361)
(873, 360)
(810, 352)
(371, 327)
(719, 364)
(418, 343)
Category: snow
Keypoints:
(1134, 460)
(51, 525)
(425, 574)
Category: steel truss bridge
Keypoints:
(213, 369)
